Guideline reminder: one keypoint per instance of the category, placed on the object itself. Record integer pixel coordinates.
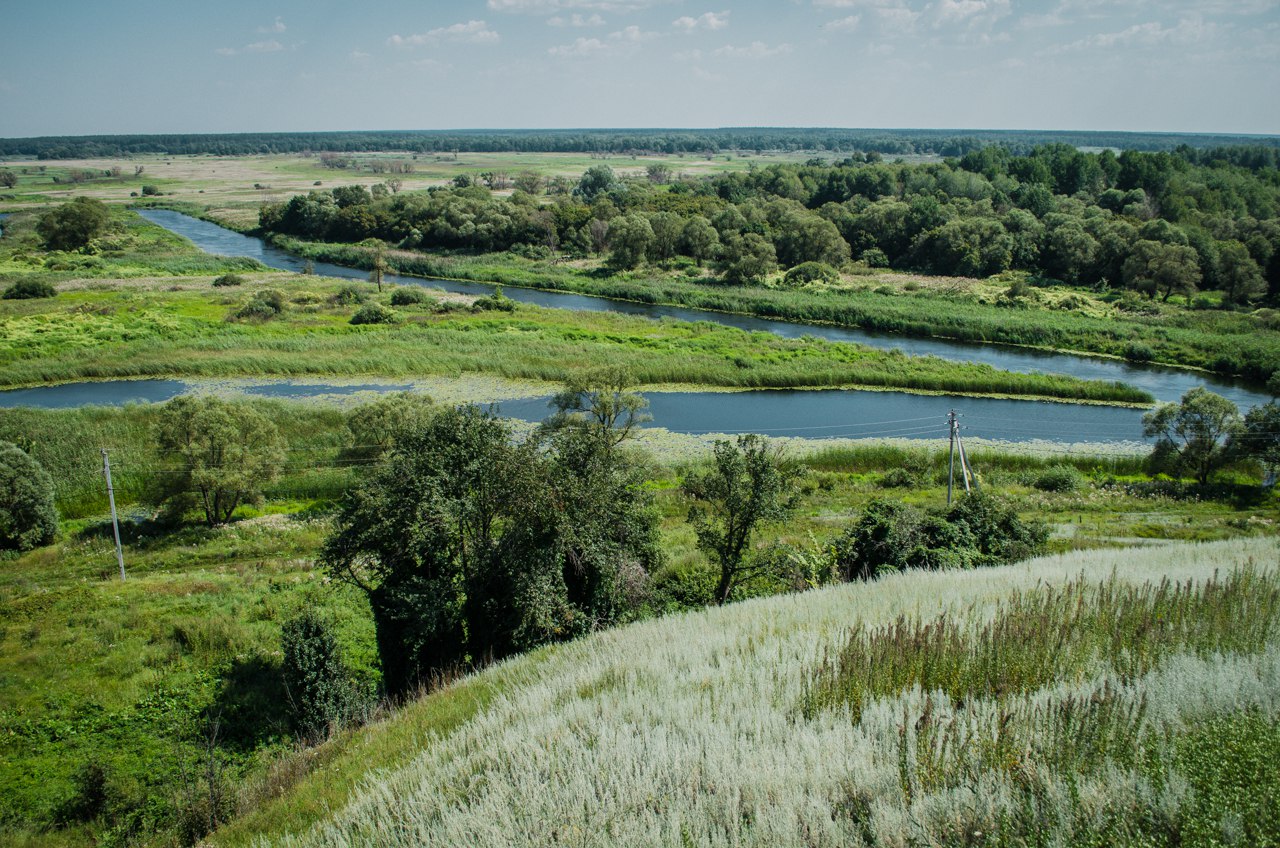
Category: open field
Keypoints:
(234, 186)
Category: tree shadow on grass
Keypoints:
(251, 706)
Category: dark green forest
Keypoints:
(1157, 224)
(896, 142)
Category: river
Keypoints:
(816, 413)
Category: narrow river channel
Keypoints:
(817, 413)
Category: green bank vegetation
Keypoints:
(1123, 231)
(293, 325)
(189, 645)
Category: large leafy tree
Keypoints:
(602, 402)
(470, 546)
(28, 517)
(1157, 267)
(222, 453)
(1241, 278)
(1258, 438)
(422, 537)
(1192, 435)
(73, 225)
(630, 237)
(748, 484)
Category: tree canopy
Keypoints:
(28, 517)
(748, 484)
(73, 225)
(221, 454)
(1192, 435)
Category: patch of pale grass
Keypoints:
(687, 730)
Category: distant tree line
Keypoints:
(1160, 224)
(612, 141)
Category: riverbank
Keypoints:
(1222, 342)
(162, 328)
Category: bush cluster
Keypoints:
(263, 306)
(408, 296)
(28, 517)
(374, 313)
(977, 530)
(29, 289)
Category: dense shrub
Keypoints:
(1139, 352)
(496, 302)
(811, 272)
(892, 536)
(408, 296)
(374, 313)
(1060, 478)
(263, 306)
(73, 225)
(349, 296)
(320, 692)
(229, 280)
(29, 289)
(28, 517)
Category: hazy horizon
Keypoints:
(142, 67)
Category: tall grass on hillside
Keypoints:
(686, 730)
(1051, 633)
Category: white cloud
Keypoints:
(848, 24)
(1186, 31)
(623, 42)
(970, 13)
(471, 32)
(278, 26)
(576, 20)
(268, 46)
(902, 20)
(548, 7)
(632, 34)
(707, 20)
(581, 48)
(856, 4)
(754, 50)
(358, 55)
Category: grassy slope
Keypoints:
(93, 671)
(687, 730)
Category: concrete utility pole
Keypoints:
(954, 426)
(967, 476)
(115, 522)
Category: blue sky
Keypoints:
(229, 66)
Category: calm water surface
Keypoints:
(1166, 384)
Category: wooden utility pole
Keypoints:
(115, 522)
